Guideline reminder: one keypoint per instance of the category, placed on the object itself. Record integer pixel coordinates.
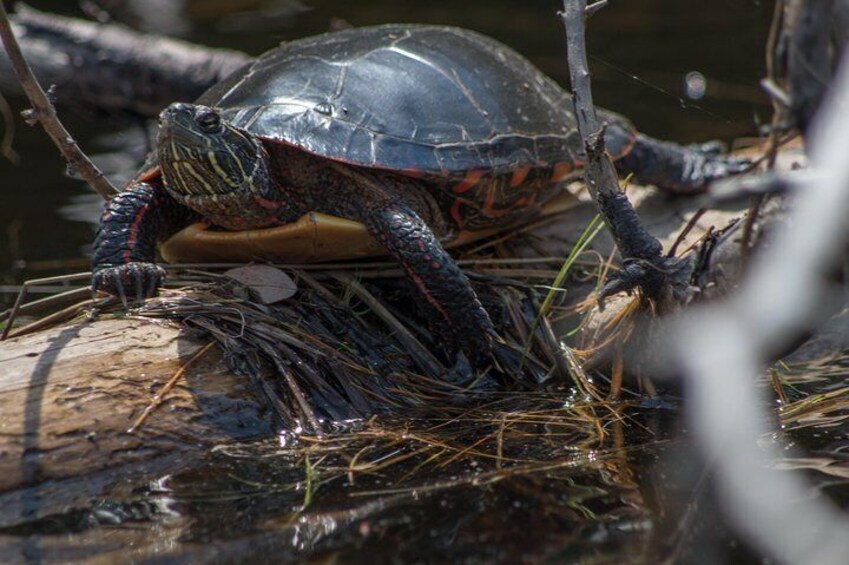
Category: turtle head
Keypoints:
(216, 168)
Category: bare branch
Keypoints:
(799, 57)
(644, 266)
(45, 113)
(595, 7)
(723, 351)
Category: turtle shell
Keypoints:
(496, 135)
(419, 99)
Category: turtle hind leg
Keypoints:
(442, 287)
(677, 168)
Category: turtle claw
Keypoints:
(155, 278)
(704, 165)
(629, 277)
(461, 372)
(139, 280)
(119, 287)
(717, 166)
(477, 345)
(471, 376)
(654, 277)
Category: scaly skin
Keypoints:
(246, 184)
(683, 169)
(147, 212)
(438, 279)
(125, 244)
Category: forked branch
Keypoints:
(644, 266)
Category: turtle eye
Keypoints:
(209, 121)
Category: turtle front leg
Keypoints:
(125, 245)
(438, 279)
(679, 168)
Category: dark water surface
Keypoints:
(542, 484)
(641, 51)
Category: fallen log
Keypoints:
(111, 69)
(69, 395)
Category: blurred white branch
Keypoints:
(723, 349)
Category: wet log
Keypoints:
(111, 69)
(68, 396)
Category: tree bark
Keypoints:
(804, 49)
(68, 395)
(110, 69)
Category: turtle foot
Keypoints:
(469, 376)
(443, 291)
(135, 281)
(710, 148)
(466, 335)
(682, 169)
(706, 163)
(476, 341)
(656, 278)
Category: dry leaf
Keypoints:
(270, 284)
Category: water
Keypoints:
(547, 485)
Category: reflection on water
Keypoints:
(520, 480)
(509, 483)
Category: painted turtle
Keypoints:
(421, 133)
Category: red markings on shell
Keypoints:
(519, 176)
(471, 179)
(561, 171)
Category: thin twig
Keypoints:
(44, 112)
(749, 227)
(686, 231)
(631, 237)
(6, 149)
(63, 315)
(419, 352)
(49, 303)
(166, 388)
(595, 7)
(295, 390)
(13, 312)
(588, 125)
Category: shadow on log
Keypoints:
(68, 395)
